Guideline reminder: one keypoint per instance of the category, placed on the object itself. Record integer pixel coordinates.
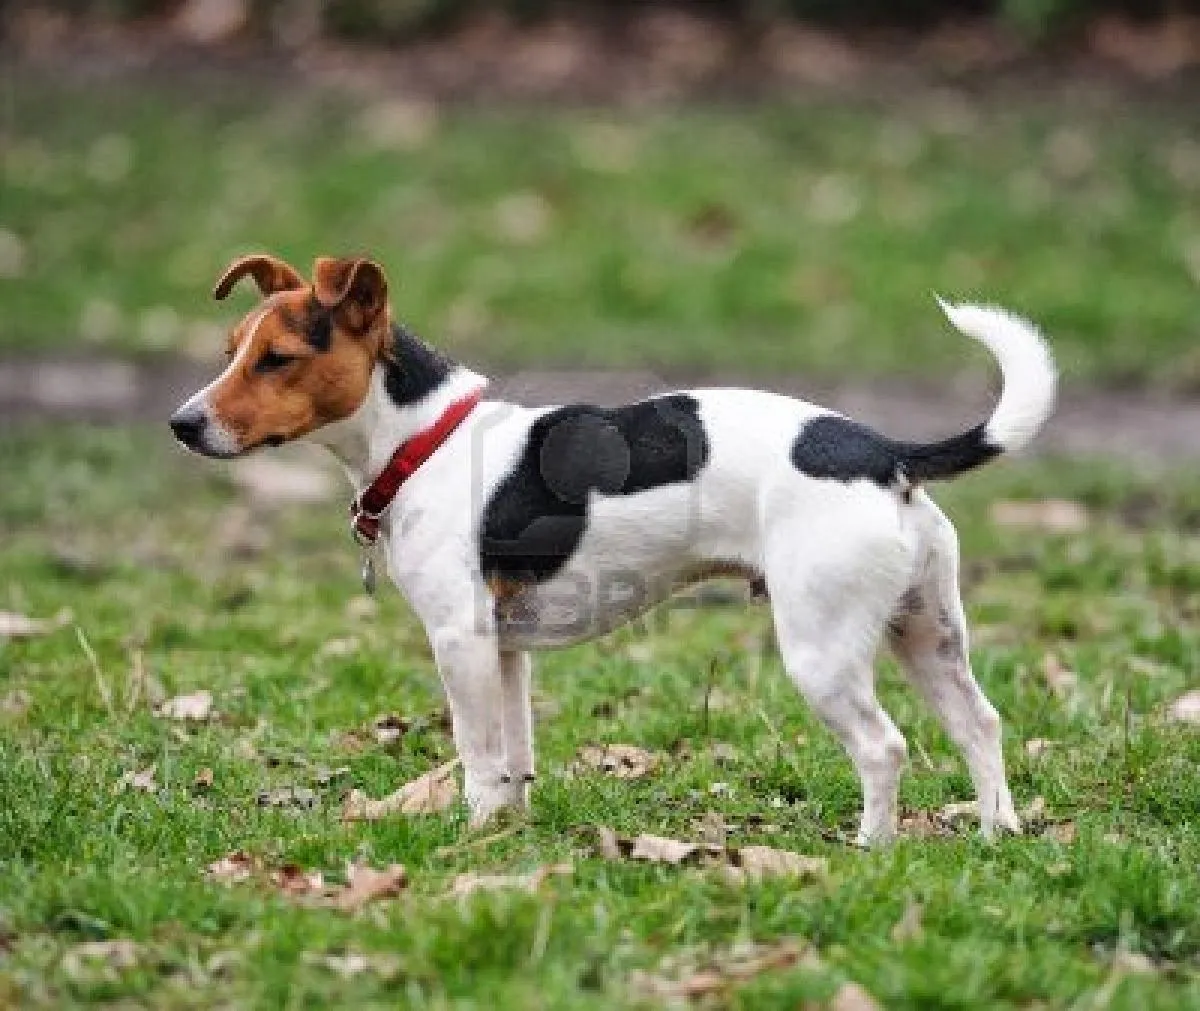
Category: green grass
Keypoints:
(802, 237)
(136, 541)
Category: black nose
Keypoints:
(188, 425)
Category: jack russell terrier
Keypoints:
(510, 529)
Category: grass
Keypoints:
(803, 237)
(164, 564)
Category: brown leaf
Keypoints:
(194, 707)
(908, 927)
(1052, 515)
(143, 781)
(435, 791)
(235, 866)
(364, 884)
(922, 825)
(469, 883)
(608, 844)
(852, 997)
(712, 829)
(1063, 832)
(757, 862)
(1186, 708)
(1133, 963)
(294, 881)
(1061, 680)
(658, 849)
(624, 761)
(203, 780)
(726, 972)
(1035, 747)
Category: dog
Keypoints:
(510, 529)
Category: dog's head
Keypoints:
(300, 359)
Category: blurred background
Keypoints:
(764, 191)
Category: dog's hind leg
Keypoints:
(928, 634)
(832, 574)
(517, 723)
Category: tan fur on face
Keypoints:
(319, 387)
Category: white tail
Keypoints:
(1030, 378)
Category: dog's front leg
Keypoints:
(515, 675)
(469, 664)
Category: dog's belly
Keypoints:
(636, 553)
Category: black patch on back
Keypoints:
(413, 369)
(537, 515)
(838, 449)
(843, 450)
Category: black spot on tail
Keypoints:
(537, 515)
(838, 449)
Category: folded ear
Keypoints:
(269, 272)
(356, 286)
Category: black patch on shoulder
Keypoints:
(838, 449)
(413, 368)
(537, 515)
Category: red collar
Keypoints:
(370, 505)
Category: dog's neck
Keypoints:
(411, 386)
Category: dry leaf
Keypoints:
(470, 882)
(757, 862)
(346, 646)
(852, 997)
(922, 825)
(428, 794)
(1063, 832)
(1133, 962)
(364, 884)
(195, 707)
(908, 927)
(289, 796)
(143, 781)
(294, 881)
(390, 728)
(1052, 515)
(203, 780)
(608, 843)
(1035, 747)
(15, 703)
(1061, 680)
(354, 963)
(712, 829)
(739, 966)
(1186, 708)
(235, 866)
(625, 761)
(109, 957)
(1034, 812)
(18, 626)
(658, 849)
(955, 814)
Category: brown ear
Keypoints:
(359, 286)
(269, 272)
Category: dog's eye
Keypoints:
(272, 361)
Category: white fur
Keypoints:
(1025, 362)
(843, 561)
